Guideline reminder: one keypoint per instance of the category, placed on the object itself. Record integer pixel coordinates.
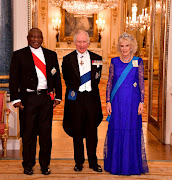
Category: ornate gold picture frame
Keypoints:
(70, 24)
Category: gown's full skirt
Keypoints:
(124, 151)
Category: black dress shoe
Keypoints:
(45, 171)
(96, 168)
(78, 168)
(28, 171)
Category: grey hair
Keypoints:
(81, 32)
(132, 41)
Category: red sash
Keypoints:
(39, 64)
(42, 67)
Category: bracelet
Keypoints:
(142, 102)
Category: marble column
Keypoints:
(6, 42)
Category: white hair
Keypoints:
(132, 41)
(81, 32)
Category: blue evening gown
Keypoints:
(124, 151)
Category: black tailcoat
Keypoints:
(71, 75)
(23, 75)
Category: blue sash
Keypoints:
(84, 78)
(121, 80)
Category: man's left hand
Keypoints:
(56, 102)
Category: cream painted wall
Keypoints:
(20, 23)
(53, 13)
(169, 86)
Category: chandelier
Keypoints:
(84, 7)
(140, 22)
(133, 22)
(144, 20)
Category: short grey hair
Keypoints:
(132, 41)
(81, 32)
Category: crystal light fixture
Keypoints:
(140, 22)
(144, 20)
(133, 22)
(84, 7)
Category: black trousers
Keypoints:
(84, 119)
(37, 116)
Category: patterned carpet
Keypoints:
(58, 111)
(63, 169)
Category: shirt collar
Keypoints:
(35, 50)
(79, 54)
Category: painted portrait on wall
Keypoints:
(71, 24)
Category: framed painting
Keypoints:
(70, 24)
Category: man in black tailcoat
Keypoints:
(82, 113)
(34, 80)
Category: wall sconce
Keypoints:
(100, 26)
(56, 26)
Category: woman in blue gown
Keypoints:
(124, 151)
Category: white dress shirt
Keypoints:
(84, 62)
(42, 81)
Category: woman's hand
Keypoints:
(108, 108)
(140, 108)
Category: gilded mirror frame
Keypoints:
(160, 123)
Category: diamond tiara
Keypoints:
(125, 35)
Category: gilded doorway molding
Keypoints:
(158, 58)
(165, 57)
(38, 17)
